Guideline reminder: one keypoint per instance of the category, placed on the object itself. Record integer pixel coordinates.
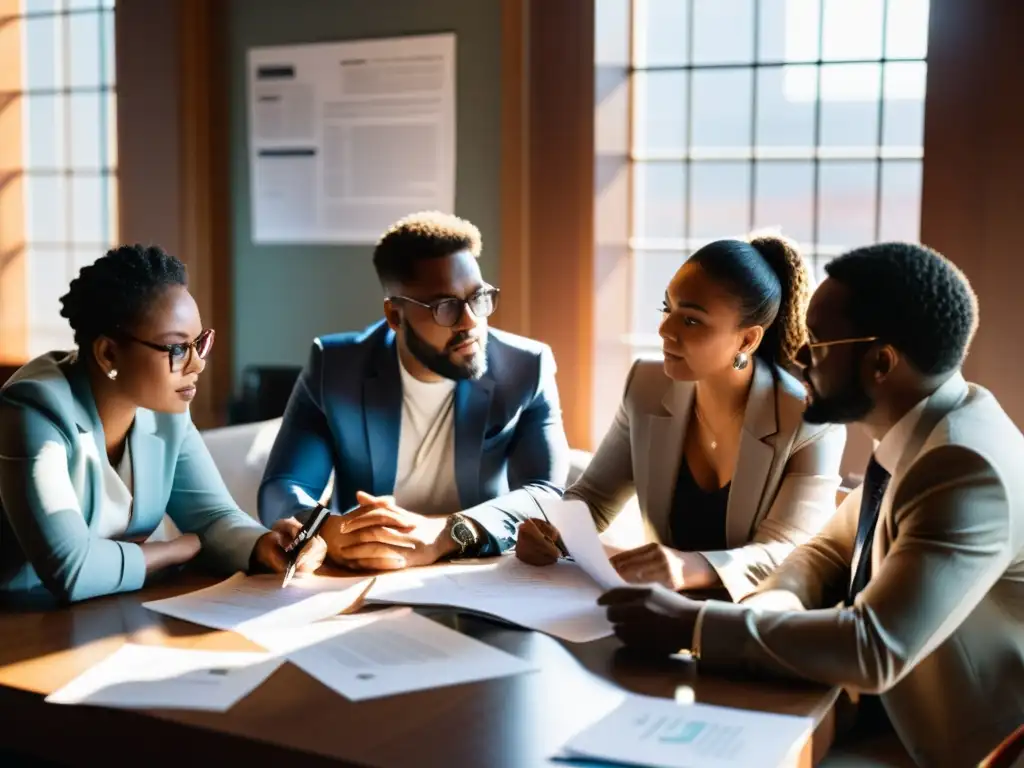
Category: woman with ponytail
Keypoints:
(711, 440)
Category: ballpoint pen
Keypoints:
(310, 529)
(557, 541)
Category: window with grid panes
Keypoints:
(804, 116)
(69, 153)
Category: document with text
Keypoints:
(387, 652)
(242, 602)
(157, 677)
(662, 733)
(579, 534)
(559, 600)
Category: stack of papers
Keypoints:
(663, 734)
(559, 600)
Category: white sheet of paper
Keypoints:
(574, 523)
(383, 653)
(559, 600)
(156, 677)
(663, 734)
(245, 602)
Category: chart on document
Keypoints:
(345, 138)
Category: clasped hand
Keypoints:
(381, 536)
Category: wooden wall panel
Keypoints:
(973, 185)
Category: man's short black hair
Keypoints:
(423, 235)
(912, 297)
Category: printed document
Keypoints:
(245, 602)
(559, 600)
(156, 677)
(387, 652)
(664, 734)
(579, 534)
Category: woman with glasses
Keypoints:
(97, 445)
(711, 438)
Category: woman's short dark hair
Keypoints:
(115, 291)
(772, 283)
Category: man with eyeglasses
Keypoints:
(435, 426)
(912, 596)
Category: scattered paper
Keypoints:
(387, 652)
(157, 677)
(664, 734)
(559, 600)
(242, 602)
(576, 526)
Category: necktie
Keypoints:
(875, 481)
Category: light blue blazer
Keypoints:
(51, 461)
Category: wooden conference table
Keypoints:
(514, 721)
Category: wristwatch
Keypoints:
(463, 533)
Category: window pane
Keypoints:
(662, 32)
(721, 103)
(652, 272)
(720, 200)
(40, 6)
(783, 121)
(87, 209)
(901, 201)
(785, 198)
(84, 31)
(48, 280)
(849, 107)
(660, 105)
(904, 104)
(86, 145)
(906, 33)
(110, 102)
(111, 234)
(45, 198)
(846, 213)
(723, 31)
(853, 30)
(108, 49)
(79, 4)
(789, 30)
(42, 53)
(44, 134)
(659, 197)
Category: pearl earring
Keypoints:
(112, 374)
(740, 361)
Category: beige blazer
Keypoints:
(939, 630)
(783, 487)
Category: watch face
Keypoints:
(462, 533)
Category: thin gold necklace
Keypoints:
(714, 438)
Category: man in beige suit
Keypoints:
(915, 589)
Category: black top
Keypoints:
(697, 520)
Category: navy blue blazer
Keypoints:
(345, 415)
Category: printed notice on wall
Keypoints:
(345, 138)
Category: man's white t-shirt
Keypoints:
(425, 481)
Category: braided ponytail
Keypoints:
(788, 332)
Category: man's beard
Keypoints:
(441, 362)
(850, 404)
